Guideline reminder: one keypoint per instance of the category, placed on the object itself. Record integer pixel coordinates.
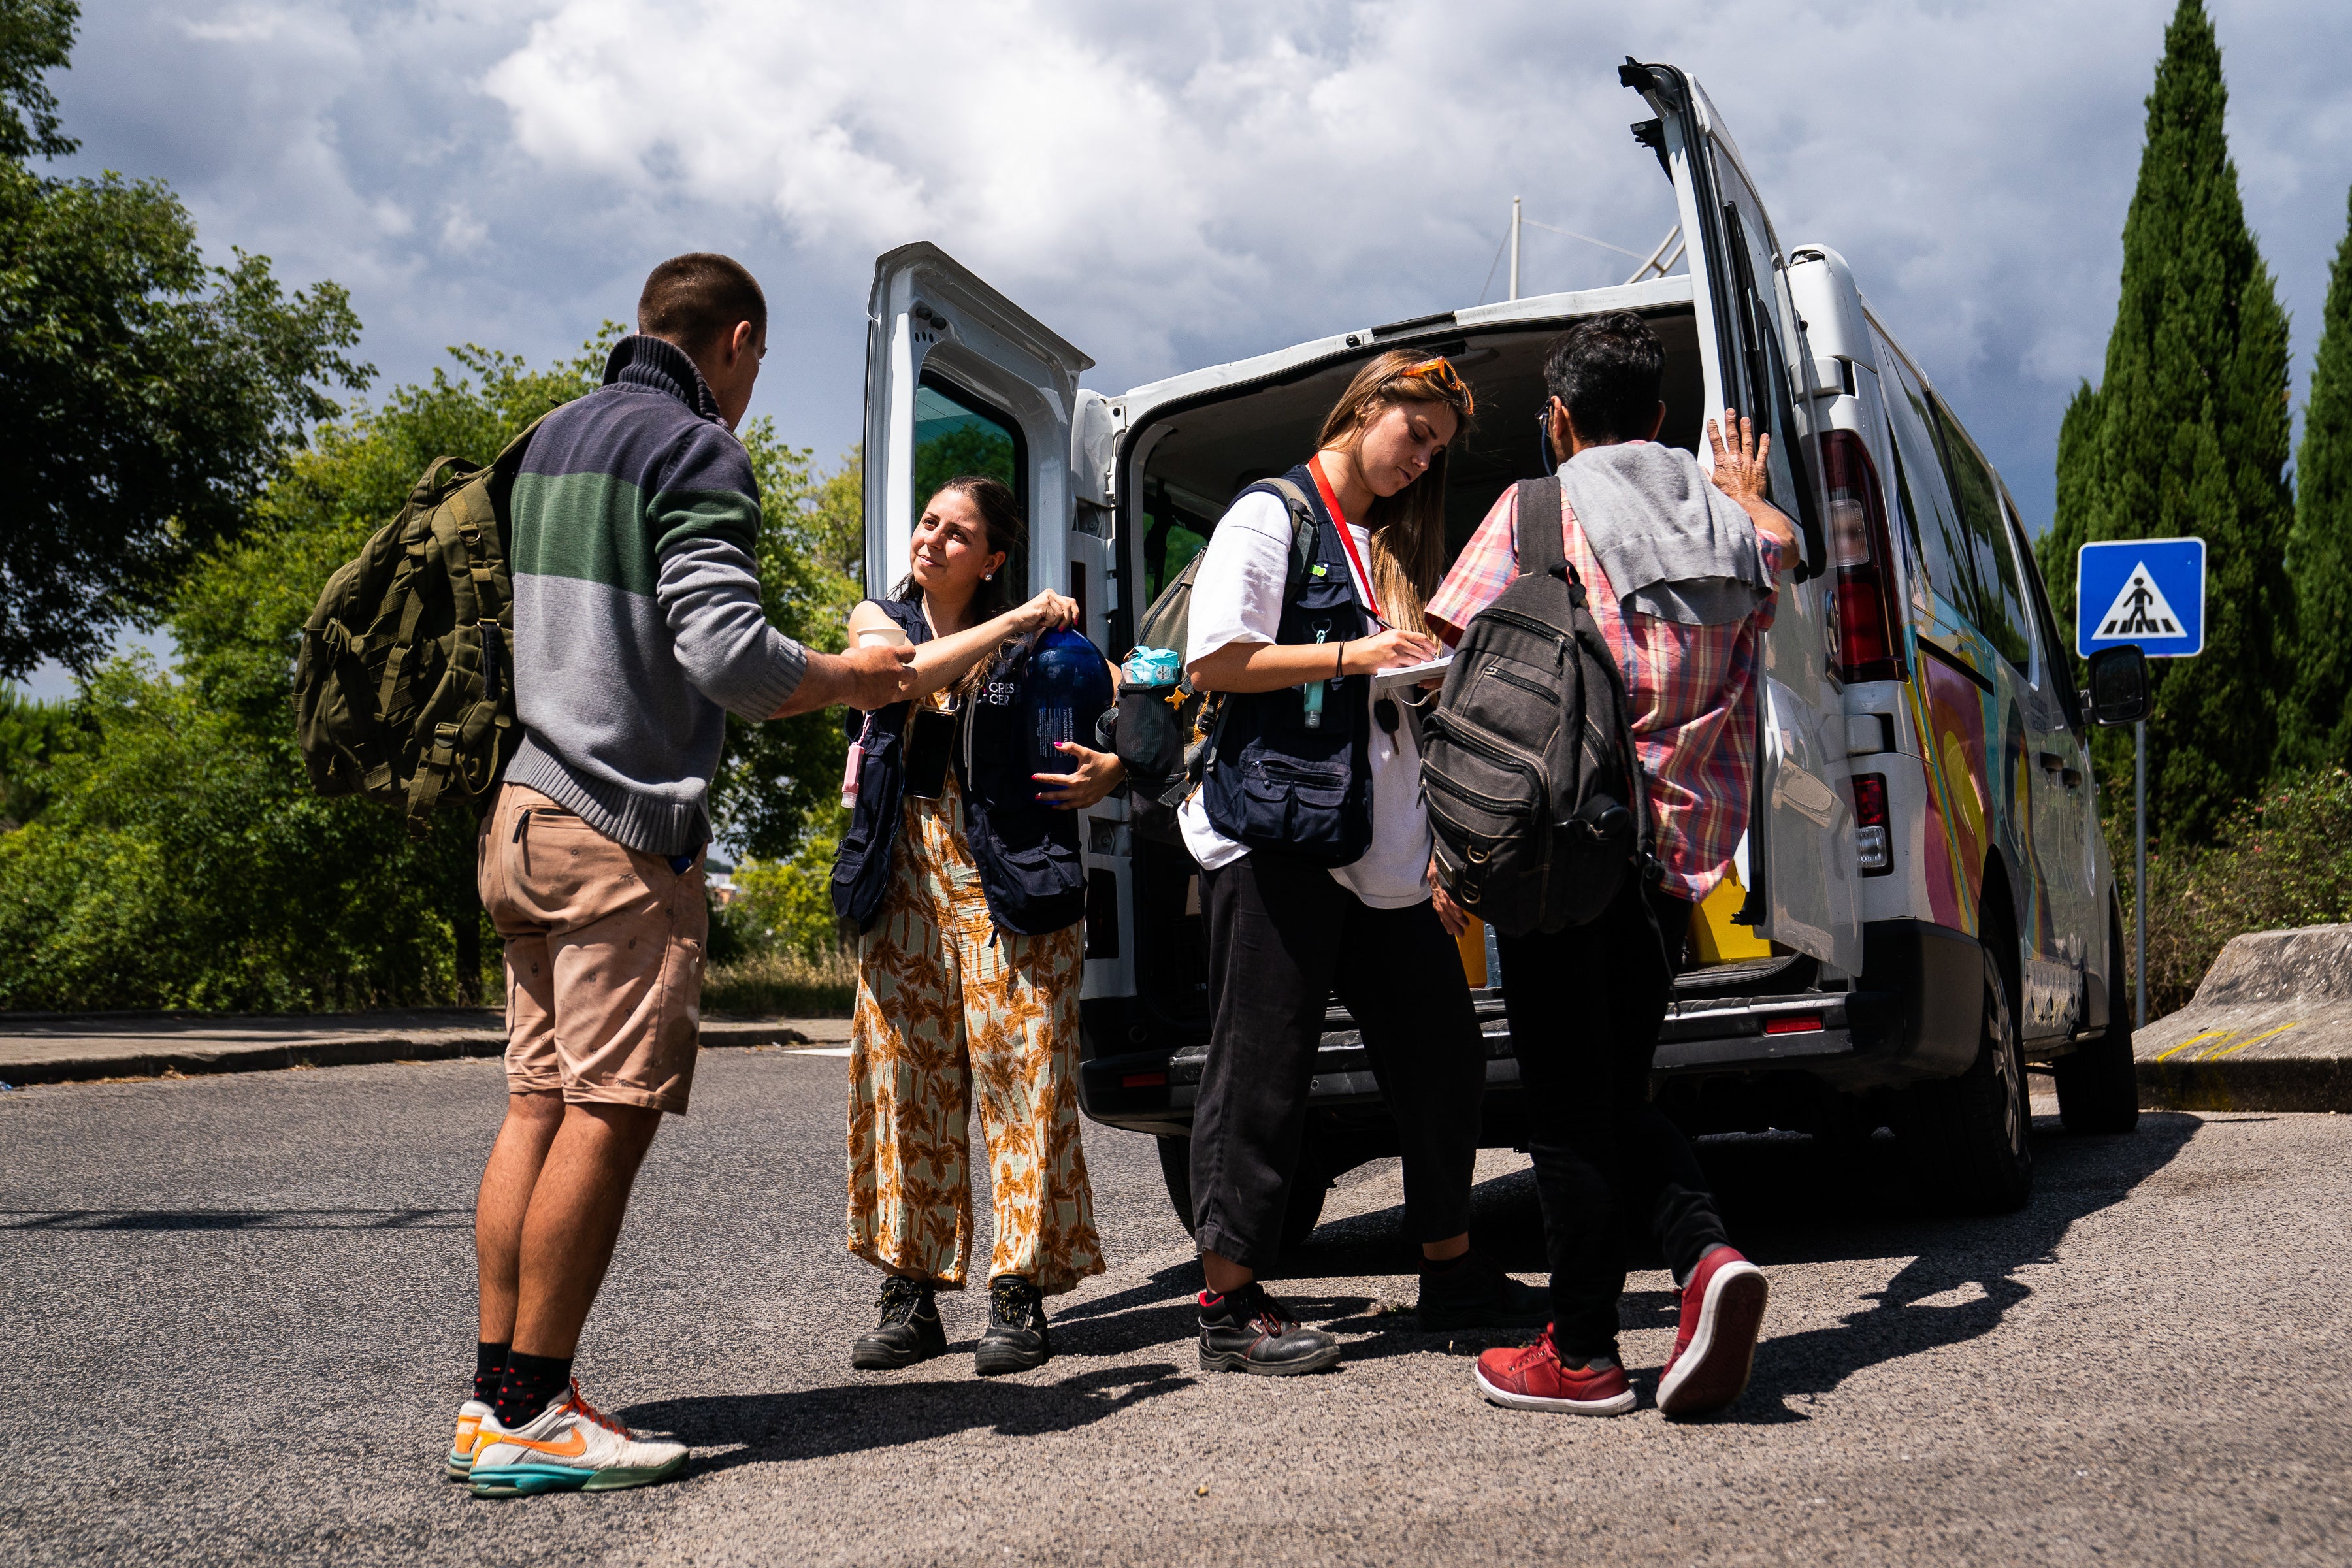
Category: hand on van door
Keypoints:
(1740, 472)
(1097, 774)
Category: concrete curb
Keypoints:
(56, 1051)
(2281, 1083)
(2268, 1029)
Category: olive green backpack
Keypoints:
(404, 690)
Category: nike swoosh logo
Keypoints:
(571, 1449)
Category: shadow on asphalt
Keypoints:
(885, 1412)
(1789, 1201)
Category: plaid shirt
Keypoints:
(1691, 690)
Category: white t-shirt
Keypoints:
(1237, 597)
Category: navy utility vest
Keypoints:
(1275, 781)
(1026, 852)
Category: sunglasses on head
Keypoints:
(1441, 371)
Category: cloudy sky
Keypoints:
(1181, 184)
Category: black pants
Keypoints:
(1282, 937)
(1585, 1005)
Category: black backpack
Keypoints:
(1162, 734)
(1535, 794)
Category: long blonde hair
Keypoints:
(1407, 529)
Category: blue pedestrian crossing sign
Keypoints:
(2145, 591)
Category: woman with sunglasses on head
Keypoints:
(1314, 853)
(960, 869)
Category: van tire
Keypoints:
(1176, 1172)
(2098, 1081)
(1303, 1204)
(1968, 1141)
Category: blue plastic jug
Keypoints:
(1067, 688)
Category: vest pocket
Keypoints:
(1290, 805)
(1043, 872)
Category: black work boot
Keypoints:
(1472, 1292)
(909, 1332)
(1248, 1330)
(1015, 1340)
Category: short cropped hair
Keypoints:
(1606, 370)
(698, 297)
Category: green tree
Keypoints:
(2316, 728)
(2187, 434)
(146, 398)
(36, 37)
(32, 735)
(175, 855)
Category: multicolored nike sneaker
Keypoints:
(470, 1416)
(569, 1446)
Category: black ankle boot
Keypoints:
(1472, 1292)
(1248, 1330)
(909, 1331)
(1015, 1340)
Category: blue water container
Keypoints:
(1067, 688)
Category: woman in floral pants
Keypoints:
(955, 1012)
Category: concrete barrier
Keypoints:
(2268, 1029)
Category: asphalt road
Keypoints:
(239, 1315)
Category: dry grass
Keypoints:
(782, 985)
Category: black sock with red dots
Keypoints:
(490, 1370)
(530, 1385)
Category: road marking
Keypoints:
(817, 1050)
(2218, 1053)
(2191, 1040)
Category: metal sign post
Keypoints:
(2150, 591)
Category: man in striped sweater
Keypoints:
(637, 629)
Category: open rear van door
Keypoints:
(1800, 864)
(961, 380)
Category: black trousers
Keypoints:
(1585, 1005)
(1282, 937)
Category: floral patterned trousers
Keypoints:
(954, 1014)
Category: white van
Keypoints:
(1923, 903)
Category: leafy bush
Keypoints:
(2283, 860)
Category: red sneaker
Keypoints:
(1533, 1379)
(1723, 1308)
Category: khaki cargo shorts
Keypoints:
(604, 950)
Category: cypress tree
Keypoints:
(2318, 726)
(2187, 434)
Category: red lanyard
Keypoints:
(1347, 539)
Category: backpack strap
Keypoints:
(1303, 526)
(1540, 545)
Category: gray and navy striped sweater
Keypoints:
(637, 625)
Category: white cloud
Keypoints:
(1175, 184)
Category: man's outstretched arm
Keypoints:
(866, 678)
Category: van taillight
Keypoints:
(1860, 550)
(1872, 850)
